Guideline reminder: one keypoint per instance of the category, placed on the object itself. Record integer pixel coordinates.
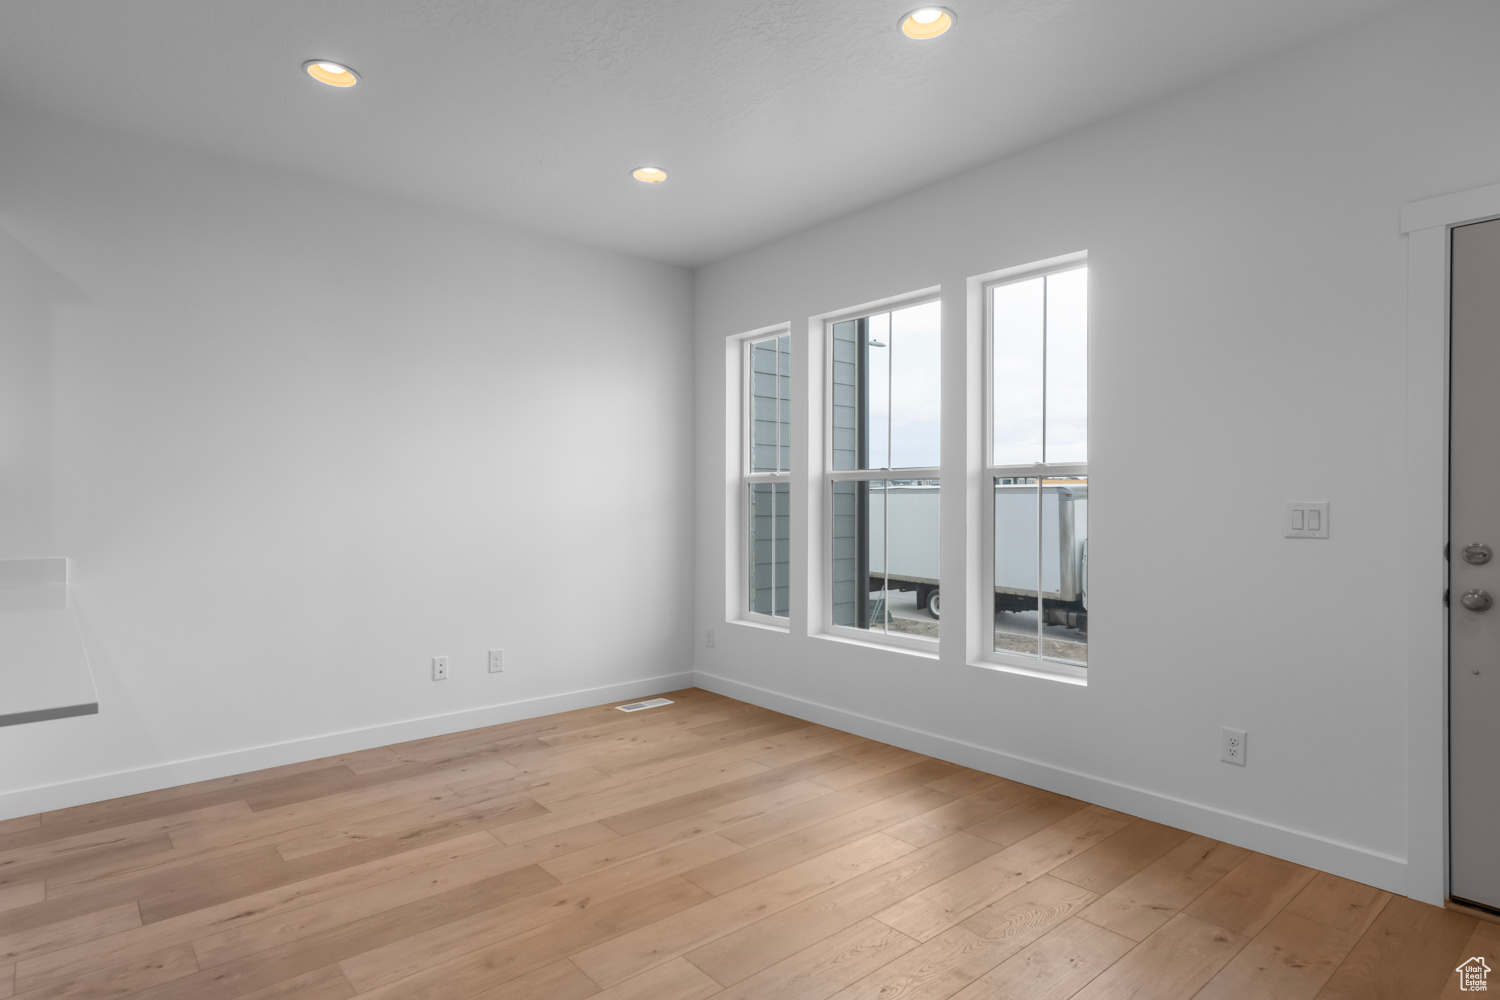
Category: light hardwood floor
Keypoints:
(704, 849)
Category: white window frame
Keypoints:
(747, 478)
(896, 640)
(1039, 470)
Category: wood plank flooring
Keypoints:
(707, 848)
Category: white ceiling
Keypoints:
(771, 115)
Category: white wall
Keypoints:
(1248, 348)
(297, 440)
(28, 288)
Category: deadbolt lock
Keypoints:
(1477, 600)
(1478, 554)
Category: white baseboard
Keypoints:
(1359, 864)
(1347, 860)
(26, 801)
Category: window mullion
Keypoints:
(1040, 601)
(775, 506)
(1045, 281)
(885, 492)
(1040, 469)
(857, 475)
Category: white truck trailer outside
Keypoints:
(913, 531)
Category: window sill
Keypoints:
(1063, 673)
(930, 653)
(762, 625)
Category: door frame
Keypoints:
(1427, 225)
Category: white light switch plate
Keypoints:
(1307, 520)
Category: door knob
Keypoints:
(1478, 554)
(1477, 600)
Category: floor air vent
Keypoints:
(636, 706)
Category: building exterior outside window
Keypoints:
(766, 480)
(882, 474)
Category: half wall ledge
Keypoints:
(44, 667)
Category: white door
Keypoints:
(1474, 567)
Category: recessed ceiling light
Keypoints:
(332, 73)
(926, 22)
(650, 175)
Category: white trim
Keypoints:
(1035, 267)
(734, 460)
(1427, 224)
(1456, 209)
(737, 542)
(1039, 470)
(1342, 859)
(1040, 666)
(903, 641)
(1426, 569)
(888, 304)
(773, 622)
(811, 577)
(1033, 666)
(884, 475)
(912, 645)
(1346, 860)
(774, 330)
(766, 622)
(27, 801)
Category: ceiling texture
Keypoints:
(771, 115)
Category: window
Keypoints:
(766, 477)
(1037, 473)
(882, 476)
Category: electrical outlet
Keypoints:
(1232, 746)
(497, 661)
(439, 668)
(708, 638)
